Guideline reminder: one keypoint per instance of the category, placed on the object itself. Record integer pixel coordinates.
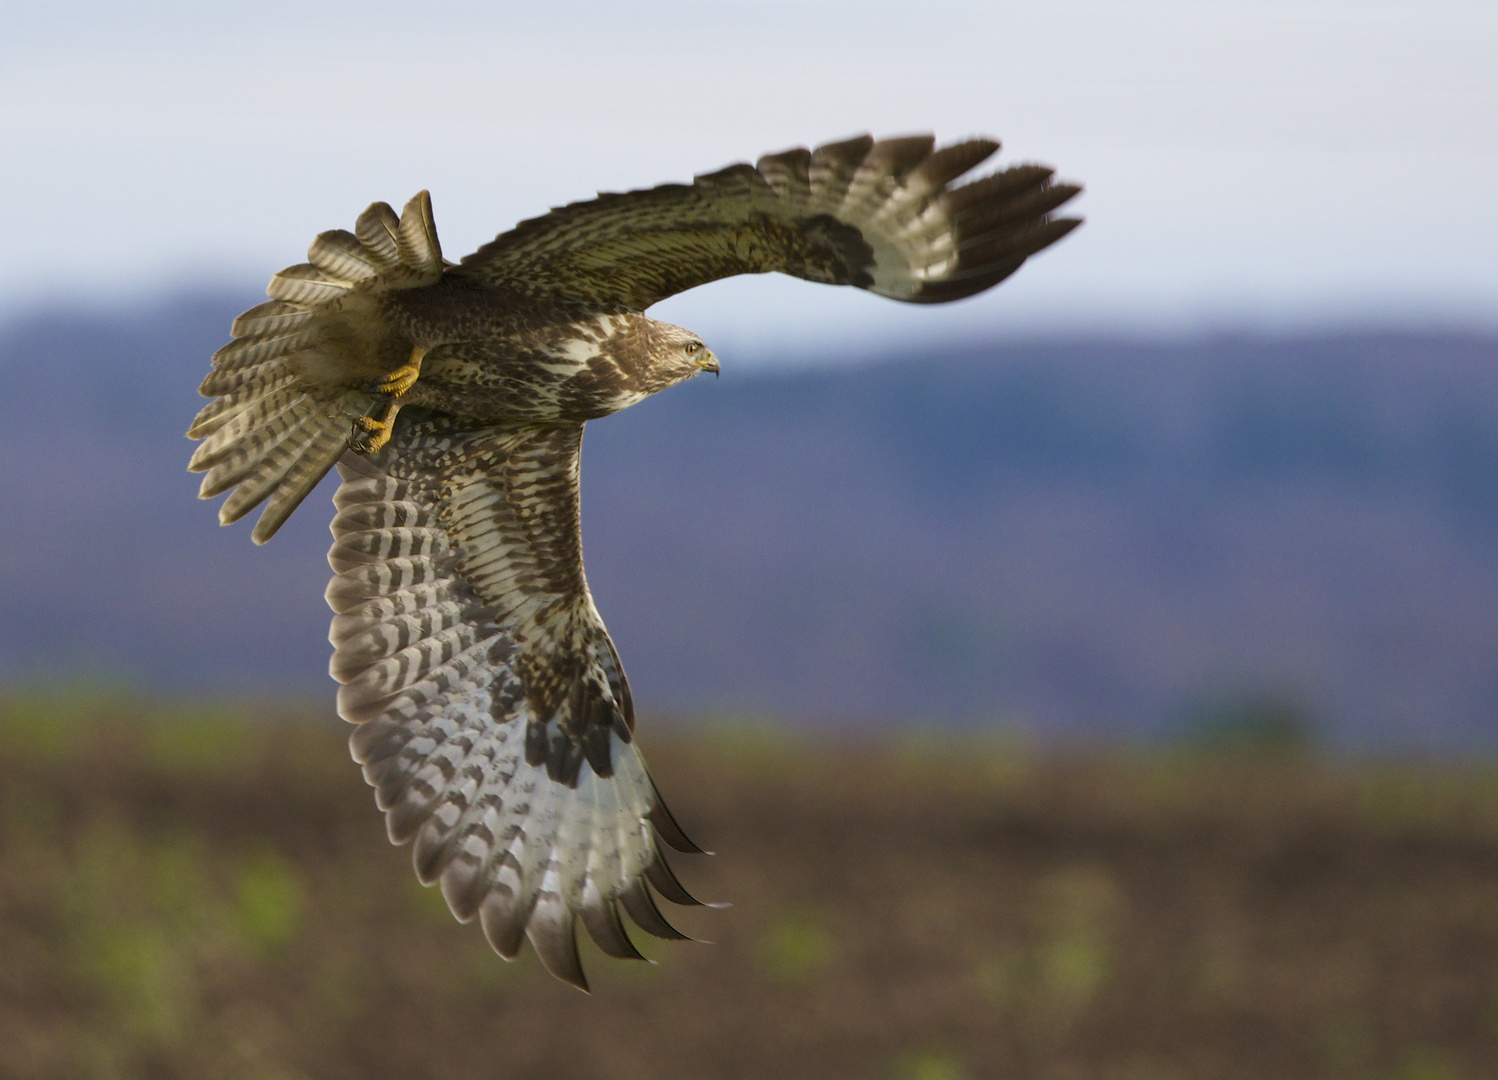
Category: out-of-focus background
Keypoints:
(1098, 677)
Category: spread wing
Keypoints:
(882, 216)
(495, 721)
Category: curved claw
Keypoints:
(400, 380)
(371, 433)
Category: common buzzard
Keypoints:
(494, 720)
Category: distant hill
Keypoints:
(1087, 537)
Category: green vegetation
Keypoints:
(930, 1065)
(268, 901)
(797, 948)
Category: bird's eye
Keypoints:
(693, 348)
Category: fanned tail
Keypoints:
(289, 388)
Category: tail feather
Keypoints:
(266, 471)
(245, 380)
(250, 351)
(378, 229)
(319, 454)
(261, 412)
(416, 239)
(287, 472)
(339, 254)
(222, 410)
(271, 317)
(279, 420)
(245, 456)
(305, 284)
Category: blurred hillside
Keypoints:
(1081, 538)
(189, 894)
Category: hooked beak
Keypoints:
(709, 362)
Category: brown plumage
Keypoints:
(494, 718)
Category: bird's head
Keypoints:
(674, 354)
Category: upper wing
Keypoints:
(495, 722)
(879, 215)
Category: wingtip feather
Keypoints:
(553, 934)
(667, 828)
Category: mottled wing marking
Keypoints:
(494, 718)
(879, 215)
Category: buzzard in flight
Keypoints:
(493, 717)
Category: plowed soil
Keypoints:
(190, 896)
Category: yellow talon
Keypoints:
(402, 378)
(371, 433)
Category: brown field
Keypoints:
(187, 894)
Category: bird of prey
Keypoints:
(493, 717)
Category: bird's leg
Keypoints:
(402, 378)
(373, 432)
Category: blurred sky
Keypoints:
(1247, 164)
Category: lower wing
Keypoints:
(494, 719)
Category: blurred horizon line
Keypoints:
(852, 343)
(1245, 725)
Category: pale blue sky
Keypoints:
(1247, 164)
